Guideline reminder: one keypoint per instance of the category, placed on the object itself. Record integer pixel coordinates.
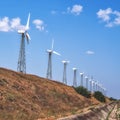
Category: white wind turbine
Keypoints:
(86, 78)
(74, 77)
(24, 35)
(65, 62)
(50, 52)
(81, 75)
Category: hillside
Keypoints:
(29, 97)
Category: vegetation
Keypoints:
(83, 91)
(99, 96)
(112, 99)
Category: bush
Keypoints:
(83, 91)
(112, 99)
(99, 96)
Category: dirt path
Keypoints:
(113, 114)
(96, 113)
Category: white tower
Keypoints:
(74, 77)
(64, 71)
(86, 78)
(81, 75)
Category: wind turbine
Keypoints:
(86, 78)
(81, 74)
(104, 91)
(50, 52)
(91, 84)
(74, 77)
(24, 35)
(96, 83)
(65, 62)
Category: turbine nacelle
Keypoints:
(86, 77)
(21, 31)
(74, 68)
(65, 61)
(52, 51)
(49, 51)
(24, 30)
(82, 73)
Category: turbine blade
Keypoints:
(52, 44)
(56, 53)
(28, 37)
(28, 21)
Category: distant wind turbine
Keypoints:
(24, 34)
(81, 75)
(74, 77)
(91, 84)
(50, 52)
(86, 78)
(64, 71)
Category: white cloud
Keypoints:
(4, 24)
(39, 24)
(110, 17)
(89, 52)
(15, 24)
(117, 21)
(104, 14)
(7, 25)
(76, 9)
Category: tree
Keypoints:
(83, 91)
(112, 99)
(99, 96)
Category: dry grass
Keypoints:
(29, 97)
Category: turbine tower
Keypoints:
(50, 52)
(86, 78)
(64, 71)
(74, 77)
(81, 74)
(91, 84)
(96, 82)
(24, 35)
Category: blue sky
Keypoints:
(86, 32)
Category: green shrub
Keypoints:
(99, 96)
(112, 99)
(83, 91)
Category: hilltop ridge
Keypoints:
(29, 97)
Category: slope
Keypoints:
(29, 97)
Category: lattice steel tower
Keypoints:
(21, 60)
(49, 69)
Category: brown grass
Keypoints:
(29, 97)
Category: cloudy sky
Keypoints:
(85, 32)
